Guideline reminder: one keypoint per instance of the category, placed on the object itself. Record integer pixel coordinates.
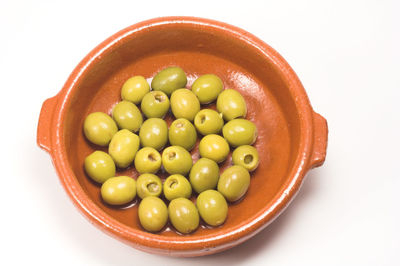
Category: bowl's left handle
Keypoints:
(45, 122)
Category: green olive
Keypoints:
(177, 186)
(207, 88)
(169, 79)
(99, 166)
(148, 185)
(234, 182)
(184, 104)
(154, 133)
(155, 104)
(134, 89)
(118, 190)
(183, 215)
(204, 175)
(123, 147)
(240, 132)
(153, 214)
(231, 104)
(246, 156)
(182, 133)
(127, 116)
(212, 207)
(99, 128)
(208, 121)
(214, 147)
(176, 160)
(147, 160)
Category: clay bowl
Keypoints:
(292, 137)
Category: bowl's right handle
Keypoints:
(320, 141)
(45, 123)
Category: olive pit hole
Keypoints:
(248, 158)
(171, 155)
(202, 119)
(173, 183)
(152, 187)
(159, 98)
(152, 157)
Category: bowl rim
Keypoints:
(157, 243)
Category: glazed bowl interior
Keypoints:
(240, 65)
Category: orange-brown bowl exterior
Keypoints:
(292, 137)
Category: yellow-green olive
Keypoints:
(246, 156)
(184, 104)
(155, 104)
(99, 128)
(207, 88)
(204, 175)
(231, 104)
(147, 160)
(214, 147)
(127, 116)
(153, 214)
(148, 185)
(169, 79)
(118, 190)
(154, 133)
(123, 147)
(99, 166)
(208, 121)
(177, 186)
(134, 89)
(182, 133)
(183, 215)
(212, 207)
(234, 182)
(176, 160)
(240, 132)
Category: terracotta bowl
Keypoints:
(292, 137)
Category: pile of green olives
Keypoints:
(137, 135)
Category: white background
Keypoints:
(347, 55)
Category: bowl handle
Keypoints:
(320, 141)
(45, 123)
